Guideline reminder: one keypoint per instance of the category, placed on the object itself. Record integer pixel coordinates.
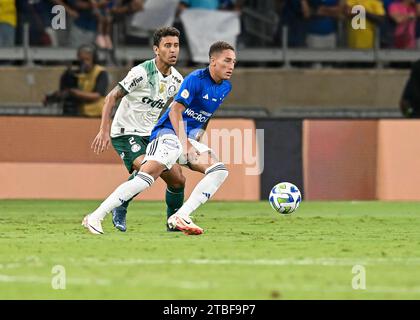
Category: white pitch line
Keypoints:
(13, 265)
(44, 280)
(345, 289)
(189, 285)
(30, 279)
(322, 261)
(192, 285)
(207, 285)
(262, 262)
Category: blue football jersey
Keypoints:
(201, 96)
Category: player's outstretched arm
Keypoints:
(102, 139)
(202, 131)
(175, 116)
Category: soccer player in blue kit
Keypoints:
(175, 138)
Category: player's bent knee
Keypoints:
(132, 187)
(137, 163)
(178, 182)
(181, 181)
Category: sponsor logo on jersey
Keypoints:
(176, 79)
(153, 103)
(185, 94)
(196, 115)
(122, 155)
(207, 114)
(206, 96)
(135, 82)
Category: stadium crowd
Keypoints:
(327, 23)
(87, 21)
(324, 24)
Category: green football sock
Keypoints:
(174, 200)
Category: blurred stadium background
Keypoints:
(330, 110)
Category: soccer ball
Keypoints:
(285, 197)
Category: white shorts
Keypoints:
(164, 149)
(200, 147)
(167, 150)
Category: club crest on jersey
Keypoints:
(135, 148)
(171, 91)
(185, 94)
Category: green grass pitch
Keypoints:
(247, 252)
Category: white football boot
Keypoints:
(93, 225)
(186, 225)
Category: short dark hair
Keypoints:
(91, 49)
(164, 32)
(220, 46)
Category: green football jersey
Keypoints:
(148, 91)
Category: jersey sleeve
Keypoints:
(187, 91)
(136, 78)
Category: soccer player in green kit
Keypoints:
(145, 90)
(175, 139)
